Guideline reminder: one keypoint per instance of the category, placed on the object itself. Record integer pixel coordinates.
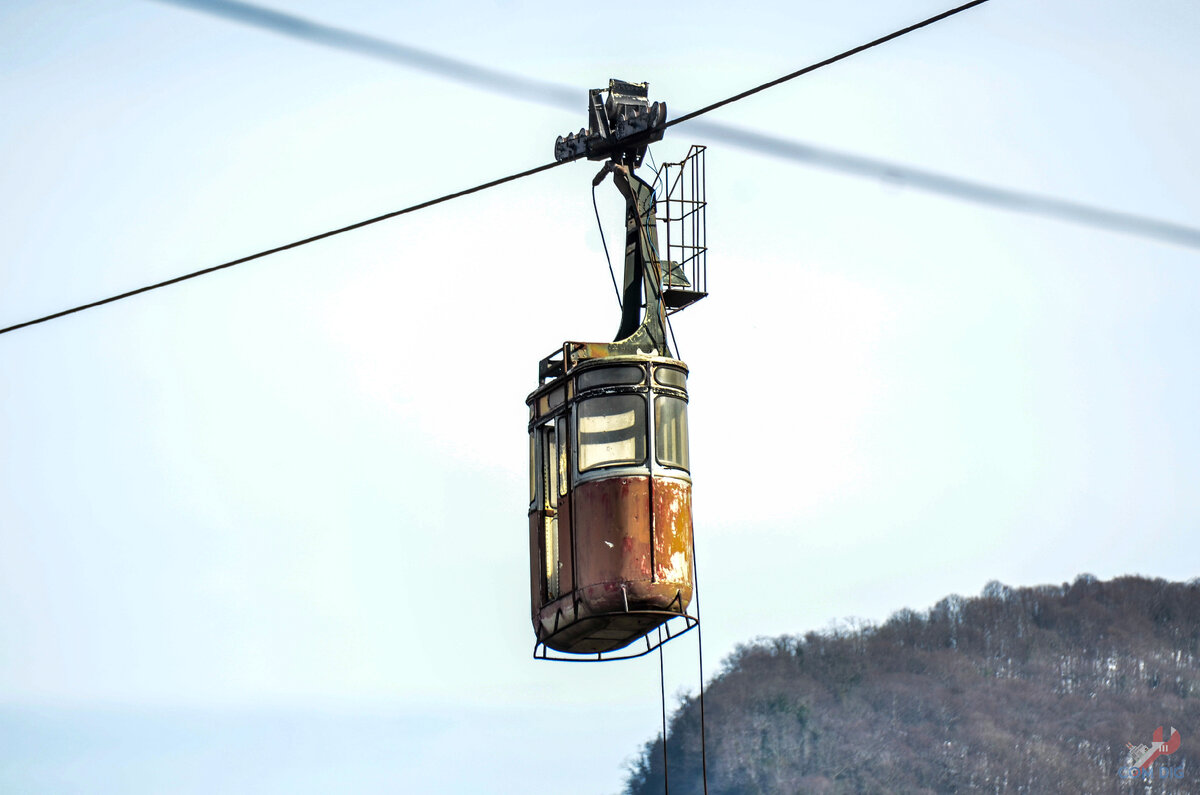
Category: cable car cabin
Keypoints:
(610, 489)
(610, 515)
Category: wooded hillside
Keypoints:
(1020, 690)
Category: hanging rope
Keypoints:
(662, 690)
(700, 654)
(603, 242)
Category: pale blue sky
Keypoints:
(297, 487)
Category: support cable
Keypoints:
(204, 271)
(604, 243)
(662, 689)
(813, 67)
(700, 653)
(560, 96)
(493, 183)
(653, 165)
(656, 282)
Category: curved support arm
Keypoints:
(643, 274)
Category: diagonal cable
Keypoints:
(560, 96)
(287, 246)
(457, 194)
(814, 67)
(600, 224)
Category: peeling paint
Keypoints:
(678, 571)
(614, 576)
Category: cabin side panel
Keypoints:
(673, 535)
(537, 554)
(612, 538)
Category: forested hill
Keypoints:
(1021, 690)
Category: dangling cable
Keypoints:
(700, 652)
(289, 246)
(662, 689)
(653, 165)
(604, 243)
(656, 281)
(671, 329)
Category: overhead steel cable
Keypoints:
(477, 188)
(813, 67)
(287, 246)
(561, 96)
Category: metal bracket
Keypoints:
(676, 624)
(673, 622)
(619, 127)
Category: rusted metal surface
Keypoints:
(613, 537)
(673, 533)
(633, 551)
(611, 553)
(672, 625)
(613, 632)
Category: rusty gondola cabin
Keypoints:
(610, 489)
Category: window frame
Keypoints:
(639, 421)
(685, 447)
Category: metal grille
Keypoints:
(681, 212)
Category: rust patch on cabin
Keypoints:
(632, 552)
(672, 531)
(612, 531)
